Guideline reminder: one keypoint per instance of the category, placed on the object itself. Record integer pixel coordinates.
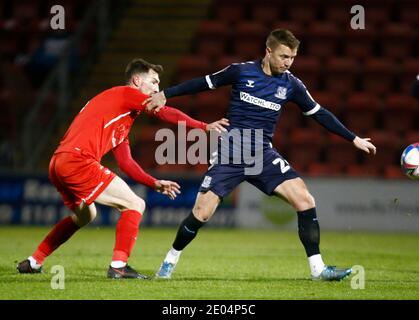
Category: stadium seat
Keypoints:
(225, 60)
(409, 71)
(184, 103)
(329, 100)
(211, 38)
(229, 12)
(299, 10)
(359, 43)
(323, 41)
(214, 100)
(265, 12)
(341, 75)
(248, 40)
(339, 151)
(338, 12)
(378, 76)
(362, 170)
(305, 147)
(394, 172)
(308, 70)
(378, 12)
(361, 112)
(400, 112)
(397, 40)
(291, 116)
(409, 13)
(325, 170)
(411, 136)
(389, 148)
(191, 66)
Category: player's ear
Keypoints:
(268, 51)
(136, 80)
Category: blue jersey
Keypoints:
(257, 99)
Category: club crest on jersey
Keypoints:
(250, 84)
(281, 93)
(207, 182)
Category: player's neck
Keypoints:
(265, 67)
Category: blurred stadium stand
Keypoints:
(363, 76)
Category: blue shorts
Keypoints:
(223, 178)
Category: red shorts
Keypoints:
(78, 178)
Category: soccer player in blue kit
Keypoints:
(259, 90)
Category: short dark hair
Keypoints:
(139, 65)
(282, 36)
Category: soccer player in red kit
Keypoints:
(75, 170)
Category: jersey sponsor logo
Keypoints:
(207, 182)
(281, 93)
(259, 102)
(250, 84)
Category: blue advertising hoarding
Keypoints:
(33, 200)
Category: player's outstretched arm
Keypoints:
(364, 144)
(168, 188)
(172, 115)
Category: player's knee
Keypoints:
(305, 201)
(202, 213)
(137, 204)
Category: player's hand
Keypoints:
(156, 102)
(365, 145)
(168, 188)
(218, 125)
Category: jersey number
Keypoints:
(283, 164)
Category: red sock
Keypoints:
(126, 234)
(61, 232)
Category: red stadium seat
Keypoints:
(307, 69)
(323, 40)
(378, 76)
(266, 13)
(229, 12)
(325, 170)
(409, 13)
(397, 40)
(400, 112)
(291, 116)
(410, 69)
(305, 147)
(329, 100)
(377, 12)
(224, 61)
(362, 170)
(183, 103)
(411, 136)
(212, 100)
(191, 66)
(249, 40)
(389, 149)
(341, 75)
(359, 43)
(303, 11)
(394, 172)
(361, 113)
(340, 151)
(211, 38)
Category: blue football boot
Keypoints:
(330, 273)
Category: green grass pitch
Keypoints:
(219, 264)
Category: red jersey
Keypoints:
(104, 122)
